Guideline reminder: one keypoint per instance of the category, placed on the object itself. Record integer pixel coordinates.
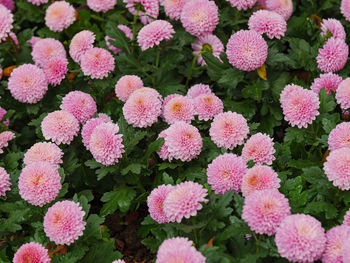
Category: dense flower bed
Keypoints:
(221, 126)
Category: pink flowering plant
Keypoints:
(174, 131)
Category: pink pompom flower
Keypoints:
(47, 49)
(126, 30)
(184, 201)
(225, 173)
(229, 129)
(339, 137)
(106, 144)
(259, 148)
(179, 108)
(32, 252)
(300, 106)
(334, 27)
(39, 183)
(242, 4)
(197, 90)
(155, 32)
(155, 202)
(173, 8)
(209, 43)
(282, 7)
(97, 63)
(60, 127)
(300, 238)
(2, 114)
(333, 56)
(207, 106)
(143, 107)
(148, 9)
(101, 5)
(5, 137)
(28, 83)
(33, 40)
(56, 70)
(199, 17)
(268, 22)
(89, 126)
(337, 169)
(9, 4)
(246, 50)
(63, 222)
(44, 152)
(345, 9)
(5, 183)
(178, 249)
(346, 251)
(38, 2)
(336, 238)
(81, 42)
(5, 22)
(264, 210)
(59, 15)
(343, 94)
(164, 153)
(329, 81)
(259, 177)
(126, 85)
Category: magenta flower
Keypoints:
(178, 108)
(259, 148)
(5, 182)
(59, 15)
(209, 43)
(97, 63)
(44, 152)
(343, 94)
(155, 202)
(126, 85)
(9, 4)
(148, 12)
(32, 252)
(81, 42)
(329, 81)
(337, 169)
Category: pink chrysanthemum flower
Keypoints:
(346, 251)
(242, 4)
(80, 104)
(282, 7)
(207, 106)
(343, 94)
(199, 17)
(59, 15)
(339, 137)
(63, 222)
(32, 252)
(184, 141)
(225, 173)
(5, 22)
(2, 114)
(269, 23)
(126, 30)
(259, 177)
(89, 126)
(334, 27)
(264, 210)
(119, 261)
(184, 201)
(345, 9)
(229, 129)
(5, 183)
(143, 107)
(337, 168)
(81, 42)
(28, 83)
(56, 70)
(39, 183)
(60, 127)
(197, 90)
(166, 100)
(97, 63)
(300, 106)
(33, 40)
(210, 43)
(9, 4)
(38, 2)
(333, 56)
(106, 144)
(329, 81)
(173, 8)
(178, 249)
(336, 237)
(259, 148)
(128, 34)
(155, 202)
(101, 5)
(246, 50)
(164, 153)
(179, 108)
(126, 85)
(152, 34)
(347, 218)
(44, 152)
(46, 49)
(5, 137)
(148, 9)
(300, 238)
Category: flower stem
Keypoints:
(189, 76)
(158, 56)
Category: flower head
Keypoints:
(259, 148)
(197, 90)
(32, 252)
(27, 83)
(80, 43)
(207, 106)
(339, 137)
(247, 50)
(173, 8)
(184, 201)
(101, 5)
(2, 114)
(9, 4)
(44, 152)
(126, 85)
(155, 202)
(179, 108)
(337, 168)
(5, 137)
(329, 81)
(55, 70)
(336, 238)
(334, 27)
(343, 94)
(148, 9)
(119, 261)
(242, 4)
(47, 49)
(225, 173)
(333, 56)
(5, 22)
(33, 40)
(346, 251)
(345, 9)
(5, 183)
(97, 63)
(38, 2)
(282, 7)
(209, 43)
(89, 126)
(59, 15)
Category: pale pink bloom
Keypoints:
(184, 201)
(126, 30)
(242, 4)
(197, 90)
(27, 83)
(334, 27)
(329, 81)
(228, 130)
(33, 40)
(59, 15)
(5, 182)
(155, 203)
(347, 218)
(343, 94)
(166, 100)
(259, 148)
(89, 126)
(209, 42)
(346, 251)
(56, 70)
(264, 210)
(345, 9)
(259, 177)
(199, 17)
(60, 127)
(164, 153)
(246, 50)
(337, 168)
(38, 2)
(97, 63)
(150, 7)
(207, 106)
(101, 5)
(179, 108)
(119, 261)
(6, 20)
(126, 85)
(63, 222)
(32, 252)
(339, 137)
(300, 238)
(336, 238)
(2, 114)
(44, 152)
(81, 42)
(282, 7)
(5, 137)
(225, 173)
(173, 8)
(268, 22)
(46, 49)
(333, 56)
(9, 4)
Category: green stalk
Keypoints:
(189, 76)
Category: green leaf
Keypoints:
(153, 147)
(101, 252)
(93, 229)
(135, 168)
(117, 199)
